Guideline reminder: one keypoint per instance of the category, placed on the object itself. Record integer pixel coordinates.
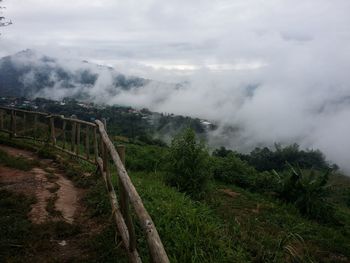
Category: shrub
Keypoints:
(188, 164)
(231, 169)
(308, 191)
(264, 159)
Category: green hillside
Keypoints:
(227, 223)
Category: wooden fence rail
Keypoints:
(90, 142)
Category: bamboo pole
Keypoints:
(124, 203)
(155, 245)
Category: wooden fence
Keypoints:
(90, 142)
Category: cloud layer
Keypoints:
(279, 70)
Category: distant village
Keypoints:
(40, 104)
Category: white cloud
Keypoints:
(278, 69)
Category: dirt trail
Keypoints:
(47, 185)
(57, 201)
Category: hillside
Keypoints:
(136, 124)
(241, 217)
(30, 74)
(229, 225)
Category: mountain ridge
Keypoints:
(29, 74)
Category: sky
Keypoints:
(278, 70)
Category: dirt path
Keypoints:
(46, 185)
(57, 200)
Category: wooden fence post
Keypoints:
(87, 143)
(1, 119)
(35, 126)
(52, 129)
(13, 124)
(64, 134)
(74, 126)
(124, 204)
(104, 121)
(77, 149)
(95, 144)
(24, 123)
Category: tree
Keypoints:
(308, 191)
(3, 21)
(188, 164)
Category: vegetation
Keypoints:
(264, 159)
(188, 164)
(283, 205)
(15, 162)
(308, 191)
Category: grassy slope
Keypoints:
(245, 228)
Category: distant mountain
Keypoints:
(30, 74)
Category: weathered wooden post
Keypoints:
(87, 143)
(35, 126)
(52, 129)
(13, 124)
(24, 123)
(64, 134)
(1, 119)
(77, 149)
(104, 121)
(124, 203)
(74, 127)
(95, 144)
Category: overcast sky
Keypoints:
(280, 69)
(182, 34)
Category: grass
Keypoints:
(189, 230)
(50, 206)
(263, 230)
(19, 163)
(245, 227)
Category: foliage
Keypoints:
(275, 231)
(190, 230)
(264, 159)
(188, 164)
(16, 162)
(148, 158)
(221, 152)
(231, 169)
(308, 191)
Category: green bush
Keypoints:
(231, 169)
(308, 191)
(188, 164)
(264, 159)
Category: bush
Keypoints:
(264, 159)
(188, 164)
(231, 169)
(308, 191)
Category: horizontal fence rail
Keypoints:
(90, 142)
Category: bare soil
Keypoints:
(48, 184)
(37, 182)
